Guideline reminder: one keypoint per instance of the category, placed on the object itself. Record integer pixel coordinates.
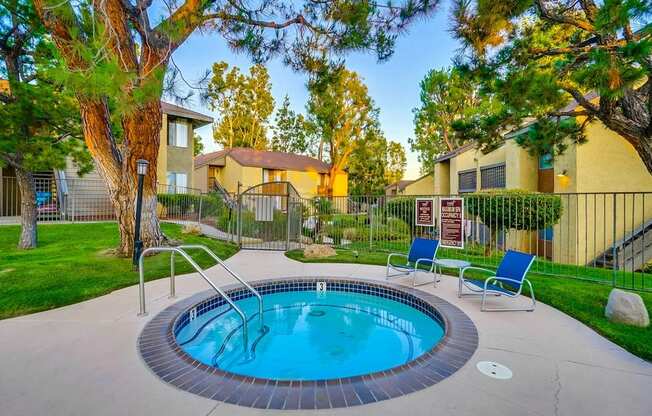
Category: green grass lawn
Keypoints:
(583, 300)
(73, 262)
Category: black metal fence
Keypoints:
(601, 237)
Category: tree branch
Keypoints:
(590, 9)
(298, 20)
(570, 113)
(591, 108)
(548, 14)
(537, 52)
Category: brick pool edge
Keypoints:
(159, 350)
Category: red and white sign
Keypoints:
(425, 212)
(451, 222)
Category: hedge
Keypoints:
(515, 209)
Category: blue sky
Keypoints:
(394, 85)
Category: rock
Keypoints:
(304, 239)
(316, 251)
(193, 229)
(626, 308)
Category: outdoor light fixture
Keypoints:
(141, 166)
(141, 169)
(563, 173)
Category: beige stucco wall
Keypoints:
(180, 159)
(200, 178)
(422, 186)
(521, 169)
(461, 162)
(442, 178)
(175, 159)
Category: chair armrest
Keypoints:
(431, 261)
(504, 279)
(397, 255)
(477, 268)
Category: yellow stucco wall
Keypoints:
(463, 161)
(340, 184)
(306, 183)
(604, 165)
(425, 185)
(521, 169)
(442, 178)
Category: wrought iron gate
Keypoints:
(270, 217)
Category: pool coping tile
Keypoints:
(159, 350)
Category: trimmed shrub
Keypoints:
(515, 209)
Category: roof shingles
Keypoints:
(265, 159)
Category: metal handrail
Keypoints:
(232, 273)
(141, 271)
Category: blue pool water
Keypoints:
(312, 336)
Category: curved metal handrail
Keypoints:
(232, 273)
(199, 270)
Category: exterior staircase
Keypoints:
(217, 188)
(629, 254)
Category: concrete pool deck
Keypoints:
(82, 359)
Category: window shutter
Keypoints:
(492, 177)
(467, 181)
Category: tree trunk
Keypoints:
(119, 171)
(28, 213)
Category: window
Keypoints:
(467, 181)
(492, 176)
(177, 182)
(545, 161)
(178, 133)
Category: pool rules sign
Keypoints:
(451, 222)
(425, 212)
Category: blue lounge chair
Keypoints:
(422, 252)
(507, 280)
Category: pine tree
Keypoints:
(39, 122)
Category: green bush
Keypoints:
(401, 207)
(515, 209)
(323, 206)
(356, 228)
(266, 230)
(213, 205)
(179, 203)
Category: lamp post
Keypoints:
(141, 169)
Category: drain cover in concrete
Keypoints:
(494, 370)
